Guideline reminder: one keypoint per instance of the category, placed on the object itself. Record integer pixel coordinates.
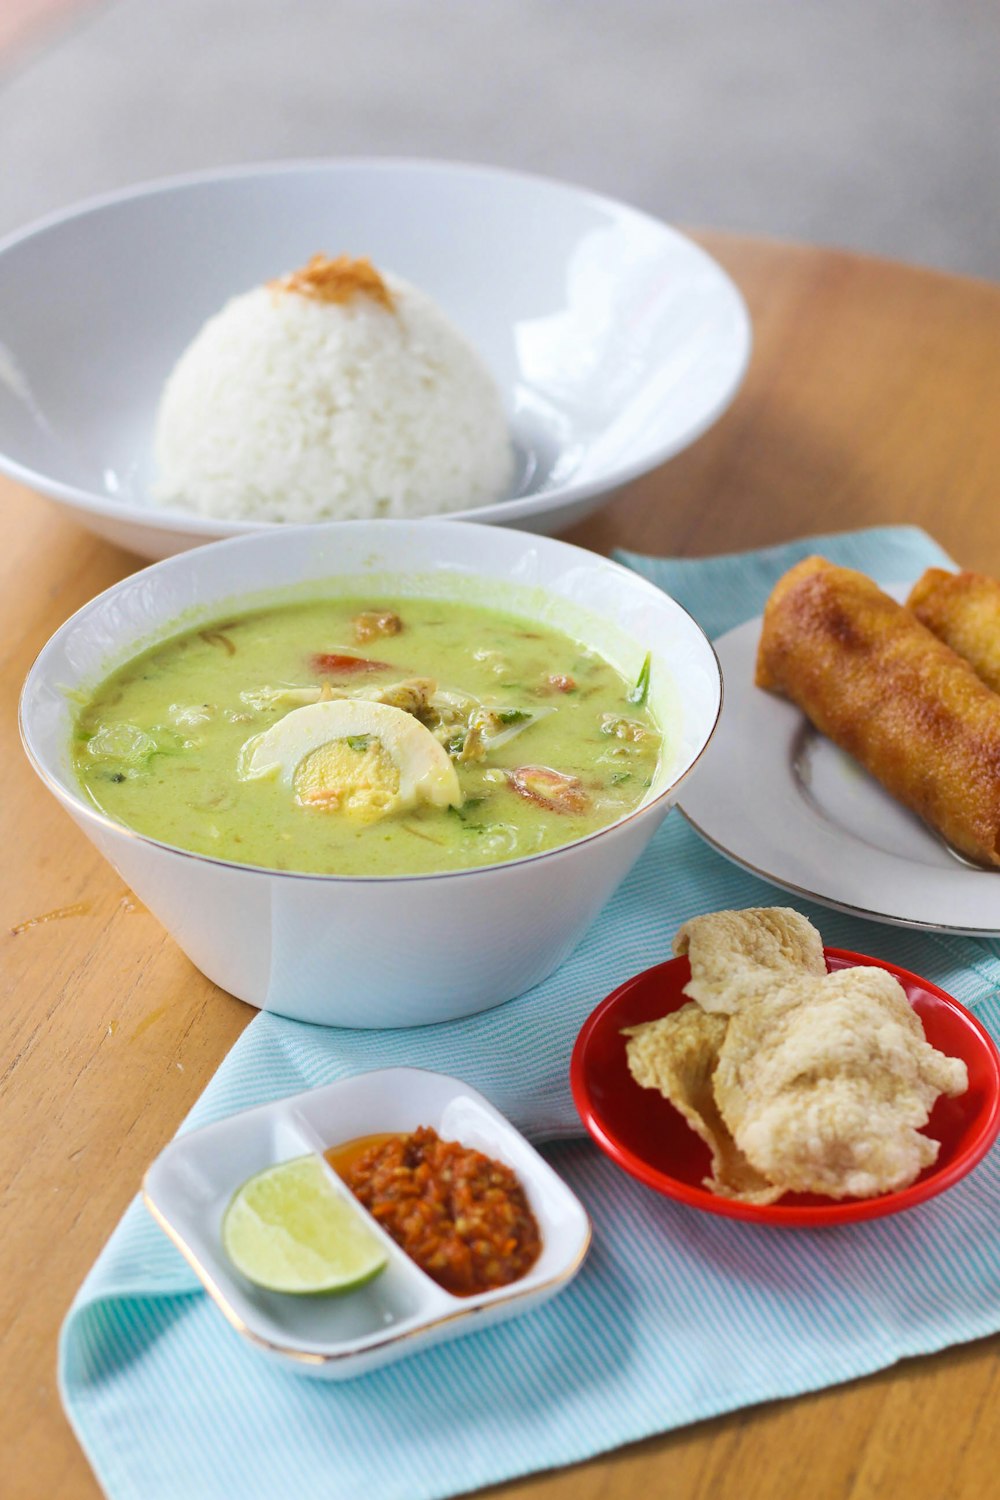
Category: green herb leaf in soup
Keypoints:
(639, 694)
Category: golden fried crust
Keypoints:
(963, 610)
(879, 684)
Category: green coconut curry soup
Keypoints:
(368, 737)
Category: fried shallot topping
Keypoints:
(338, 280)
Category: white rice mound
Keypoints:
(287, 408)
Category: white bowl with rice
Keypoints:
(612, 340)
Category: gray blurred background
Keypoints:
(871, 124)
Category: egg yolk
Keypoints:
(355, 776)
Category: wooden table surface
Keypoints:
(872, 398)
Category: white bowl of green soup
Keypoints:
(374, 773)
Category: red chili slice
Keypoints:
(341, 665)
(548, 788)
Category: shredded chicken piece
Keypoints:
(474, 746)
(286, 697)
(629, 730)
(413, 695)
(372, 623)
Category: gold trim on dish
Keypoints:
(914, 923)
(315, 1359)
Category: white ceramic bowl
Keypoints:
(614, 340)
(382, 951)
(189, 1186)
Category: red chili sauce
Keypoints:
(461, 1216)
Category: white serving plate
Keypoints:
(780, 799)
(615, 341)
(189, 1186)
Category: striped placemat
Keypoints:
(676, 1316)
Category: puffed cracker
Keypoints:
(736, 955)
(677, 1055)
(825, 1083)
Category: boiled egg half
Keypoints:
(365, 760)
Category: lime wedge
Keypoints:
(287, 1229)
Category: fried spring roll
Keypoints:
(880, 685)
(963, 610)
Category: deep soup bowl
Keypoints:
(378, 951)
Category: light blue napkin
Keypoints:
(676, 1316)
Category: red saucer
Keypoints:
(646, 1136)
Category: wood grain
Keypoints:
(871, 398)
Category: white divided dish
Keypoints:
(614, 341)
(783, 801)
(402, 1311)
